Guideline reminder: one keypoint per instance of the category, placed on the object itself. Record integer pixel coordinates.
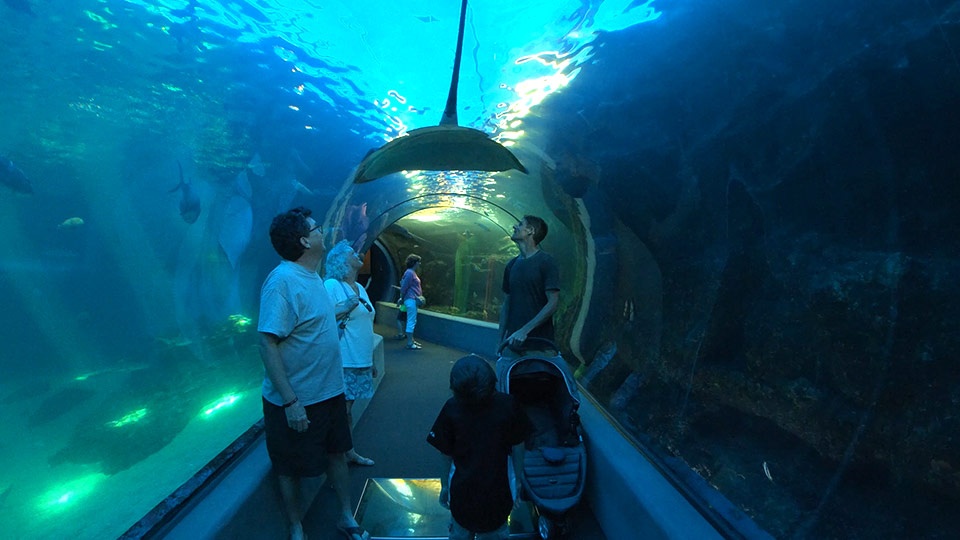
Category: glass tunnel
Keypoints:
(753, 204)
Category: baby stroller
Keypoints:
(552, 469)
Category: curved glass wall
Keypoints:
(754, 205)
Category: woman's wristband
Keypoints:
(287, 405)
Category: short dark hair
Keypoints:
(287, 229)
(412, 260)
(539, 227)
(472, 380)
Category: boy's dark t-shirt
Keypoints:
(527, 282)
(479, 438)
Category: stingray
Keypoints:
(447, 147)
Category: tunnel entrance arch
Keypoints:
(465, 247)
(363, 212)
(498, 215)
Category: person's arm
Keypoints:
(518, 337)
(404, 285)
(445, 481)
(504, 314)
(505, 306)
(441, 437)
(343, 307)
(273, 365)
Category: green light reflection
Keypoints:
(65, 495)
(225, 401)
(130, 418)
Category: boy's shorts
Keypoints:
(457, 532)
(304, 454)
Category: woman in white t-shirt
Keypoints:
(355, 329)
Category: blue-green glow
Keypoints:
(240, 322)
(130, 418)
(67, 494)
(225, 401)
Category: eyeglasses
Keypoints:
(315, 227)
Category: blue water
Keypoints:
(117, 332)
(756, 197)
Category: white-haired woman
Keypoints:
(356, 330)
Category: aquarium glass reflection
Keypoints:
(410, 508)
(753, 204)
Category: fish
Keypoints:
(256, 165)
(437, 148)
(447, 147)
(298, 186)
(71, 223)
(12, 177)
(189, 202)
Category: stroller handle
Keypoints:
(527, 345)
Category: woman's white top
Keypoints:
(356, 345)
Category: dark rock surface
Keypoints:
(798, 189)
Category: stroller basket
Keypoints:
(554, 477)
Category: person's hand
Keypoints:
(346, 306)
(445, 497)
(517, 338)
(297, 417)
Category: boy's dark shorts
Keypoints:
(305, 454)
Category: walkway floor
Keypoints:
(392, 432)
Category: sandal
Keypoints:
(399, 337)
(357, 459)
(353, 533)
(414, 346)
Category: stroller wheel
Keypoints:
(546, 528)
(550, 529)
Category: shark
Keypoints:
(446, 147)
(189, 202)
(14, 178)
